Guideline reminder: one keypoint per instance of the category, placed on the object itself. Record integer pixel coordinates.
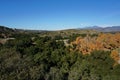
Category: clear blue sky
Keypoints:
(58, 14)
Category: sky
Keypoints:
(59, 14)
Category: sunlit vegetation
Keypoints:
(106, 42)
(35, 57)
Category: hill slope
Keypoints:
(4, 29)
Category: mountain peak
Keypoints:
(103, 29)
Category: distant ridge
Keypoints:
(103, 29)
(4, 29)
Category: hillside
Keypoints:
(4, 29)
(59, 55)
(6, 32)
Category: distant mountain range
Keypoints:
(103, 29)
(4, 29)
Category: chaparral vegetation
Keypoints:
(59, 55)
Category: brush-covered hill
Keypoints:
(6, 32)
(4, 29)
(42, 56)
(68, 32)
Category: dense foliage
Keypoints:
(30, 57)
